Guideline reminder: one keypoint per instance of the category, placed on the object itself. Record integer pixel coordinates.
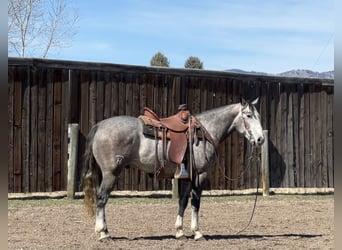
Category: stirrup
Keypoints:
(181, 172)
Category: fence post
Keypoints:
(72, 158)
(265, 166)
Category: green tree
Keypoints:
(193, 62)
(159, 59)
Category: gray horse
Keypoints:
(119, 141)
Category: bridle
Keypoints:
(246, 125)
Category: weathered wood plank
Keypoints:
(301, 136)
(251, 91)
(135, 112)
(229, 171)
(18, 92)
(33, 130)
(318, 134)
(324, 121)
(175, 94)
(276, 160)
(99, 96)
(330, 136)
(235, 167)
(128, 172)
(220, 99)
(65, 114)
(282, 137)
(84, 103)
(26, 88)
(49, 131)
(42, 118)
(290, 137)
(122, 95)
(11, 111)
(57, 117)
(296, 118)
(115, 94)
(74, 96)
(107, 109)
(307, 139)
(143, 103)
(92, 100)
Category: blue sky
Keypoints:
(268, 36)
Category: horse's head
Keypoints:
(247, 122)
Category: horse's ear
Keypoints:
(243, 101)
(255, 101)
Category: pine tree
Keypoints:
(193, 62)
(159, 59)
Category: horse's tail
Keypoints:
(91, 174)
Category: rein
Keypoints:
(255, 201)
(250, 158)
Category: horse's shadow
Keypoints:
(259, 236)
(223, 237)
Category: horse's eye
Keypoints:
(249, 116)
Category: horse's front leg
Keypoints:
(195, 205)
(184, 192)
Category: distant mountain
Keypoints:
(292, 73)
(240, 71)
(308, 74)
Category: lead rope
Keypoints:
(190, 149)
(250, 158)
(255, 202)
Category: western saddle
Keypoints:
(181, 130)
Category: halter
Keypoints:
(247, 126)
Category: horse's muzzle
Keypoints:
(260, 140)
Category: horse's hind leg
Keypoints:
(195, 204)
(184, 192)
(102, 198)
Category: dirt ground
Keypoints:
(280, 222)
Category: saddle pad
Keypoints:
(148, 131)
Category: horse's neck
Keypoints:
(218, 121)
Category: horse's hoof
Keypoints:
(198, 236)
(104, 235)
(180, 234)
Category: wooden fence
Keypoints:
(46, 95)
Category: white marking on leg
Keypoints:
(179, 222)
(194, 219)
(194, 224)
(179, 227)
(99, 223)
